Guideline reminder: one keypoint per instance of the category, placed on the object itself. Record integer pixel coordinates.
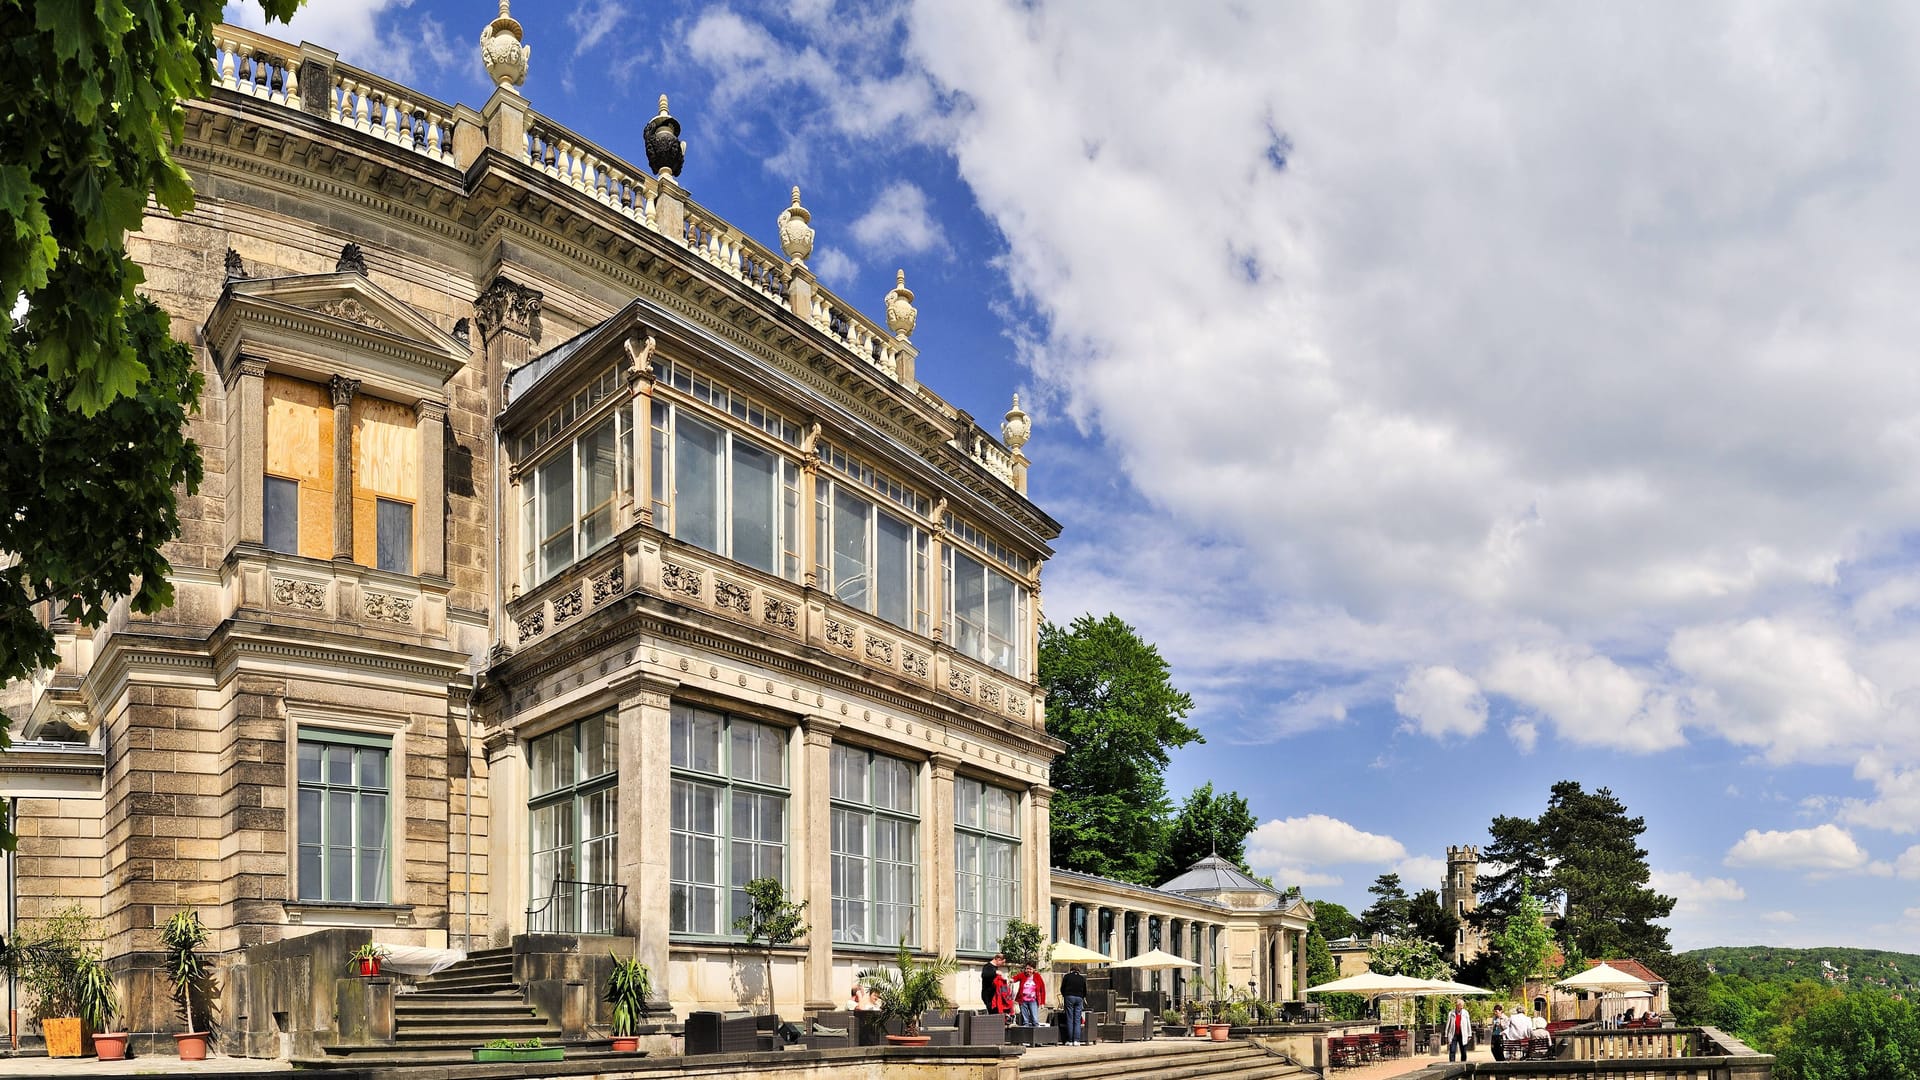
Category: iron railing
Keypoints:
(578, 907)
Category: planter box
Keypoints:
(62, 1034)
(545, 1053)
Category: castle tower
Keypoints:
(1458, 895)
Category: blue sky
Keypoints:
(1463, 399)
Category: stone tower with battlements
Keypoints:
(1458, 896)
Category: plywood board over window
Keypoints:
(386, 466)
(300, 448)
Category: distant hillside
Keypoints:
(1841, 967)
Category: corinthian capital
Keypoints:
(507, 305)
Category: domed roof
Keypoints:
(1214, 874)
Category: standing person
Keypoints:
(1073, 991)
(1459, 1030)
(1497, 1033)
(1031, 993)
(990, 983)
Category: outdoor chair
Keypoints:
(712, 1033)
(1539, 1047)
(1391, 1044)
(983, 1029)
(1342, 1052)
(942, 1025)
(837, 1030)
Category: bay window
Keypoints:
(722, 491)
(566, 501)
(875, 848)
(870, 558)
(986, 613)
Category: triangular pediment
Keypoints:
(334, 324)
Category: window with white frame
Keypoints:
(986, 612)
(875, 848)
(574, 802)
(870, 558)
(986, 861)
(342, 816)
(729, 821)
(566, 500)
(722, 490)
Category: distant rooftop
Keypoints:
(1215, 874)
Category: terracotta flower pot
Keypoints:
(110, 1045)
(1200, 1029)
(909, 1040)
(625, 1044)
(1220, 1032)
(192, 1045)
(369, 966)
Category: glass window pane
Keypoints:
(969, 605)
(373, 768)
(850, 580)
(309, 813)
(310, 762)
(555, 480)
(744, 760)
(281, 515)
(1000, 620)
(755, 476)
(311, 881)
(893, 570)
(696, 483)
(393, 536)
(339, 765)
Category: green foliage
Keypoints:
(628, 985)
(190, 974)
(1426, 918)
(50, 957)
(514, 1044)
(1022, 943)
(94, 392)
(1333, 920)
(369, 951)
(1416, 957)
(1207, 824)
(1391, 912)
(1870, 1035)
(1109, 698)
(910, 987)
(1894, 971)
(1523, 945)
(94, 994)
(771, 921)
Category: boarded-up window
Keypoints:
(386, 466)
(300, 448)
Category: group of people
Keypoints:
(1022, 993)
(1506, 1027)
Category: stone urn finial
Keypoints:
(502, 52)
(796, 236)
(900, 313)
(666, 154)
(1017, 428)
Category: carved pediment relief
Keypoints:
(320, 325)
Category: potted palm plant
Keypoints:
(908, 990)
(99, 1008)
(48, 955)
(367, 958)
(192, 983)
(628, 985)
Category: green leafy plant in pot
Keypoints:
(99, 1007)
(48, 955)
(628, 985)
(367, 958)
(191, 976)
(771, 921)
(909, 989)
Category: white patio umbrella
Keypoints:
(1155, 960)
(1607, 981)
(1066, 952)
(1370, 984)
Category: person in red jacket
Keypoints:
(1031, 992)
(1459, 1030)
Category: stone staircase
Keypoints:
(452, 1011)
(1161, 1059)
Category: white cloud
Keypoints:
(592, 21)
(1896, 803)
(1908, 864)
(377, 35)
(1693, 895)
(833, 266)
(1786, 688)
(1297, 850)
(1781, 917)
(899, 222)
(1440, 701)
(1524, 734)
(1590, 699)
(1821, 849)
(1421, 872)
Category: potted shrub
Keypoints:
(99, 1008)
(1235, 1016)
(908, 990)
(192, 981)
(517, 1050)
(367, 958)
(1197, 1016)
(48, 955)
(628, 985)
(771, 921)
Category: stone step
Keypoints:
(467, 1037)
(408, 1004)
(492, 965)
(406, 1022)
(1236, 1059)
(478, 982)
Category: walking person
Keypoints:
(1073, 991)
(1031, 993)
(1497, 1032)
(1459, 1031)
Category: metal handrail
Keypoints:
(577, 916)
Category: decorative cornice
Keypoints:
(430, 411)
(507, 305)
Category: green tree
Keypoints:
(1864, 1035)
(1600, 870)
(1110, 699)
(1518, 851)
(1333, 921)
(1523, 945)
(93, 390)
(772, 920)
(1687, 982)
(1022, 943)
(1426, 918)
(1412, 956)
(1207, 824)
(1391, 911)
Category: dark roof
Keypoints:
(1215, 874)
(1632, 967)
(521, 379)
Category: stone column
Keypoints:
(809, 523)
(247, 451)
(1040, 807)
(936, 854)
(506, 314)
(813, 861)
(507, 854)
(343, 390)
(640, 386)
(430, 518)
(645, 840)
(937, 580)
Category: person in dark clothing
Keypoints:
(1073, 991)
(989, 982)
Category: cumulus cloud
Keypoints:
(1524, 734)
(1781, 917)
(1786, 688)
(1440, 701)
(833, 266)
(1298, 850)
(378, 35)
(1821, 849)
(592, 21)
(1590, 699)
(1692, 895)
(899, 221)
(1421, 872)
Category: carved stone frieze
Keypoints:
(309, 595)
(989, 695)
(781, 613)
(346, 307)
(532, 625)
(507, 305)
(386, 607)
(840, 634)
(1019, 705)
(609, 585)
(567, 605)
(680, 579)
(880, 649)
(960, 682)
(735, 597)
(914, 661)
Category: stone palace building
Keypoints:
(566, 558)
